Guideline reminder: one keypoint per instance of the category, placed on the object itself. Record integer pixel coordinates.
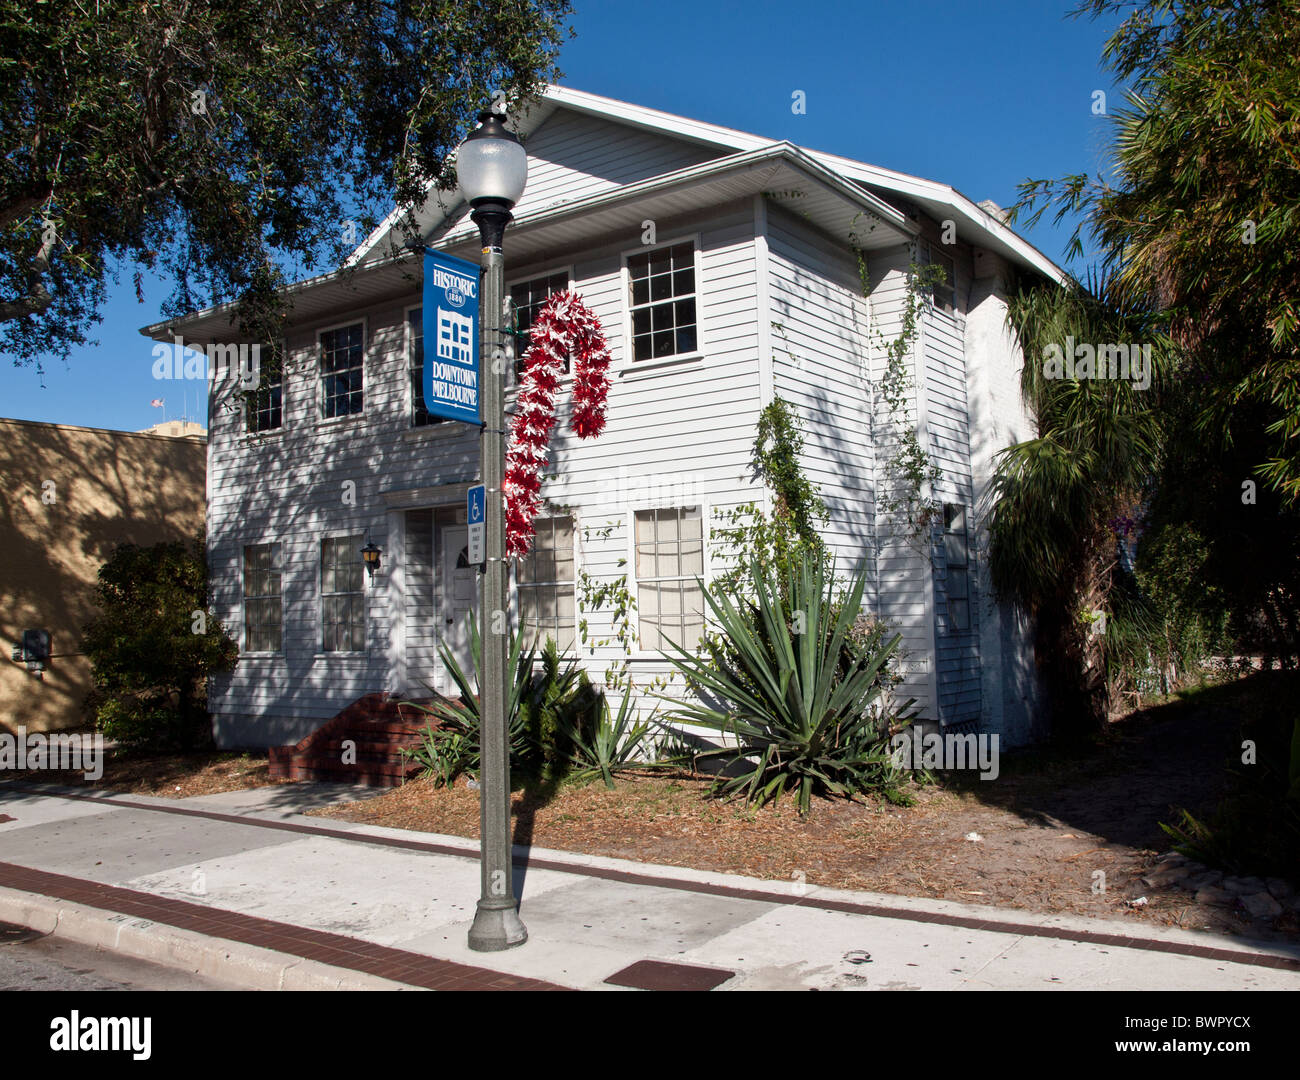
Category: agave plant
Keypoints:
(616, 742)
(797, 714)
(452, 748)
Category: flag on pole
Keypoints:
(157, 403)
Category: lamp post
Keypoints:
(493, 167)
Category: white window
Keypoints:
(527, 298)
(944, 292)
(342, 370)
(420, 416)
(263, 613)
(342, 595)
(264, 407)
(669, 560)
(544, 583)
(661, 297)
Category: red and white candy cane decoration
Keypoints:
(564, 326)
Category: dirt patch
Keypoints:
(168, 776)
(1039, 838)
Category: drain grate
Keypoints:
(12, 934)
(659, 975)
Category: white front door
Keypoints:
(459, 597)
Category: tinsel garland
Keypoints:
(564, 327)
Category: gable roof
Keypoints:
(974, 223)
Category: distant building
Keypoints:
(70, 496)
(176, 429)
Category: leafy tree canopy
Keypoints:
(216, 141)
(1199, 217)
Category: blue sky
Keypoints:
(977, 95)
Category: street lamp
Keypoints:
(492, 166)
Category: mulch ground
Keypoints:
(1032, 839)
(173, 776)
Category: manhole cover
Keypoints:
(659, 975)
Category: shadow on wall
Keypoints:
(71, 495)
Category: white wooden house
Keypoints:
(748, 288)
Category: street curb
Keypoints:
(249, 967)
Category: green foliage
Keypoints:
(550, 700)
(220, 142)
(801, 712)
(908, 474)
(1198, 209)
(1057, 498)
(153, 645)
(617, 742)
(1256, 829)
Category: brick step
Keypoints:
(379, 728)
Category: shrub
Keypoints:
(617, 742)
(550, 699)
(797, 689)
(153, 645)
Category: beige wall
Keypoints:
(110, 487)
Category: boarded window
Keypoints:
(957, 556)
(342, 594)
(544, 581)
(263, 610)
(669, 560)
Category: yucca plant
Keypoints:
(617, 742)
(453, 748)
(800, 716)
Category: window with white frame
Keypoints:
(669, 560)
(957, 557)
(662, 294)
(342, 595)
(544, 583)
(527, 298)
(944, 292)
(342, 370)
(420, 415)
(264, 406)
(263, 611)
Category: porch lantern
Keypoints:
(370, 556)
(493, 167)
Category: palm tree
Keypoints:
(1057, 497)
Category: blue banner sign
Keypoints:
(451, 340)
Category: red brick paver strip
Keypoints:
(399, 965)
(966, 922)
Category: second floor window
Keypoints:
(944, 291)
(420, 416)
(527, 298)
(342, 370)
(265, 405)
(662, 300)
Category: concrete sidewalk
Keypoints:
(243, 882)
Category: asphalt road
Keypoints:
(29, 961)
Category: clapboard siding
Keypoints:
(781, 311)
(948, 443)
(573, 156)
